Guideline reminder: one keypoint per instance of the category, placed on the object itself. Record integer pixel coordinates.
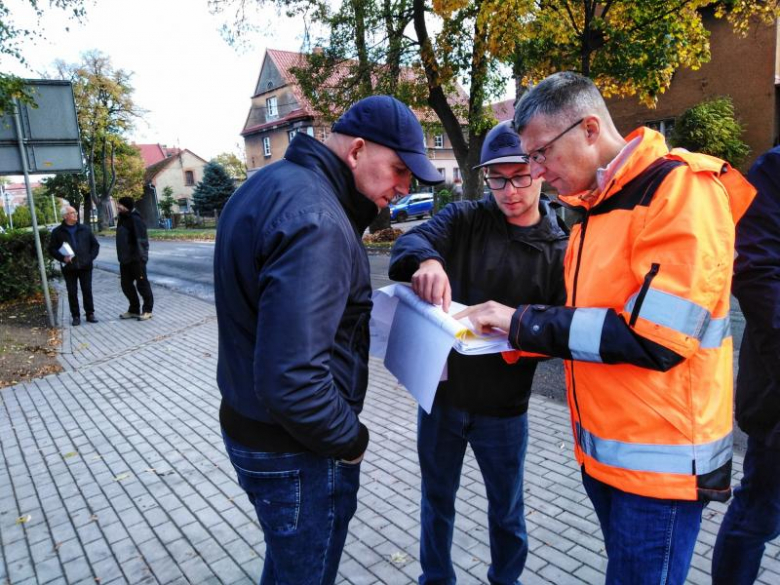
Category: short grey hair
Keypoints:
(565, 95)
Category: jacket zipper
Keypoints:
(574, 304)
(640, 298)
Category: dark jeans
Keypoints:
(74, 278)
(304, 503)
(649, 541)
(133, 276)
(499, 446)
(752, 520)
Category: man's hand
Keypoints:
(431, 284)
(68, 259)
(487, 316)
(355, 461)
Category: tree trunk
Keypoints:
(364, 67)
(381, 222)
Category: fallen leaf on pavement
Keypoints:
(24, 519)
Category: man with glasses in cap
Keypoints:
(293, 297)
(510, 245)
(645, 331)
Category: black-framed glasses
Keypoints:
(538, 155)
(518, 181)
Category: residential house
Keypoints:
(279, 110)
(179, 169)
(14, 195)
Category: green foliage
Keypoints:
(214, 190)
(22, 217)
(19, 272)
(3, 218)
(234, 166)
(712, 128)
(442, 198)
(72, 188)
(167, 202)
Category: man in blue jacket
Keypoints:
(509, 245)
(293, 297)
(753, 518)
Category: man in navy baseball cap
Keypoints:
(384, 120)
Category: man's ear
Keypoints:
(592, 128)
(356, 150)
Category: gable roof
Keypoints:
(154, 153)
(504, 110)
(285, 61)
(155, 169)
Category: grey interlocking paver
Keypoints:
(120, 463)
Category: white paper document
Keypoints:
(414, 338)
(66, 250)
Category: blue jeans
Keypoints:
(649, 541)
(499, 446)
(304, 503)
(752, 520)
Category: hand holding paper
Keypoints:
(487, 317)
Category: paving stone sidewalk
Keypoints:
(118, 468)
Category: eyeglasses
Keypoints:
(518, 181)
(538, 155)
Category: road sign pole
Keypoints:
(31, 203)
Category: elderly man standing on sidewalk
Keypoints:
(753, 518)
(646, 328)
(508, 246)
(76, 266)
(293, 297)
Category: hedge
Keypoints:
(19, 273)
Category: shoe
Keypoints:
(76, 321)
(91, 318)
(129, 315)
(144, 316)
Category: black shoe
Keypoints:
(91, 318)
(76, 321)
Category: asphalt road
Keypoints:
(187, 267)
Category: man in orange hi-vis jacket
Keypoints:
(645, 330)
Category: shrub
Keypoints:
(712, 128)
(22, 217)
(442, 198)
(19, 273)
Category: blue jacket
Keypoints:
(757, 287)
(293, 296)
(488, 259)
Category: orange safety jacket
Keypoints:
(646, 328)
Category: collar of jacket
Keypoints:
(310, 153)
(651, 147)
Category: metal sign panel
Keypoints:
(50, 132)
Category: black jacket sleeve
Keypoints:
(548, 330)
(55, 241)
(141, 237)
(429, 240)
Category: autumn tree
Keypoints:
(73, 188)
(106, 112)
(12, 36)
(234, 166)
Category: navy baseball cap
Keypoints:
(502, 145)
(389, 122)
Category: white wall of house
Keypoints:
(181, 175)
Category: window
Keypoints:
(271, 111)
(189, 178)
(438, 141)
(183, 205)
(443, 173)
(456, 174)
(269, 85)
(266, 146)
(290, 135)
(324, 134)
(665, 126)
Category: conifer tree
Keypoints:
(214, 190)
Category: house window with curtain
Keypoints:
(266, 146)
(189, 178)
(271, 111)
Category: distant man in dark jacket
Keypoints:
(753, 518)
(293, 296)
(509, 245)
(76, 267)
(132, 250)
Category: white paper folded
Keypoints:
(66, 250)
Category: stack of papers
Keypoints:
(66, 250)
(414, 338)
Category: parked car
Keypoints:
(413, 205)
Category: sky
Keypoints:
(195, 87)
